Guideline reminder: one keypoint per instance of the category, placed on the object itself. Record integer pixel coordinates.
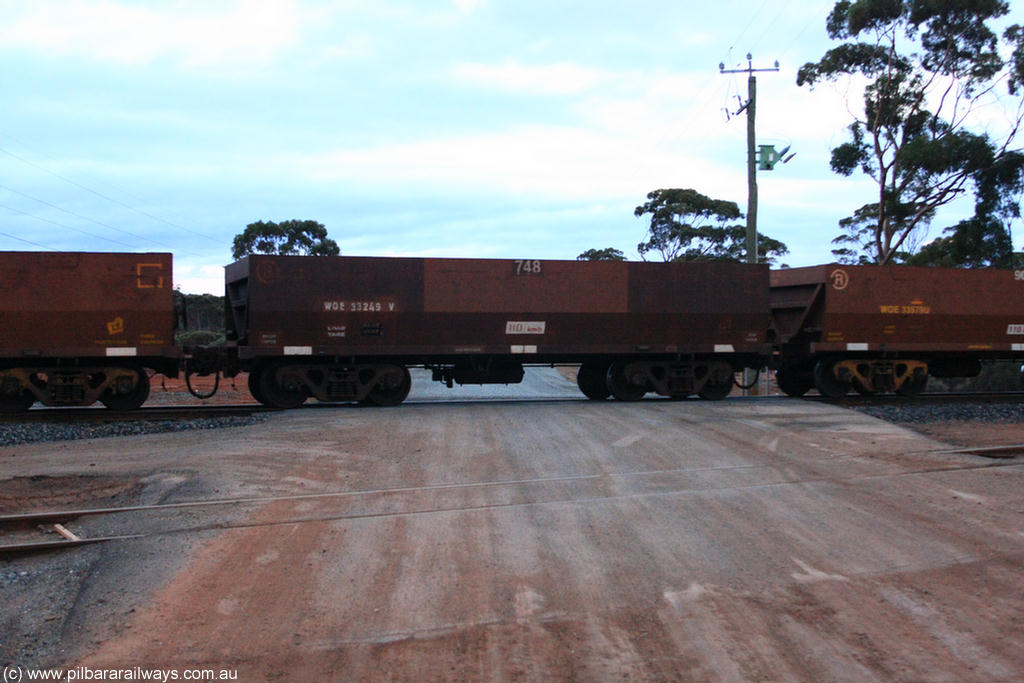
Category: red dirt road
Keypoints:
(767, 540)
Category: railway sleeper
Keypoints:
(118, 388)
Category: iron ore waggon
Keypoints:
(76, 328)
(877, 329)
(348, 328)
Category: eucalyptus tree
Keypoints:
(606, 254)
(689, 226)
(932, 69)
(287, 237)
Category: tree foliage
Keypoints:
(930, 65)
(287, 237)
(200, 319)
(984, 239)
(972, 243)
(606, 254)
(689, 226)
(203, 311)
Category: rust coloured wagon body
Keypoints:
(80, 327)
(346, 328)
(875, 328)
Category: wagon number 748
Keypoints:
(526, 267)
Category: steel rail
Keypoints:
(925, 398)
(147, 413)
(144, 414)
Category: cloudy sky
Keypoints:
(480, 128)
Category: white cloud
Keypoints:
(193, 277)
(468, 6)
(350, 47)
(547, 79)
(546, 161)
(198, 34)
(631, 132)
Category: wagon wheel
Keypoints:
(392, 389)
(826, 381)
(913, 386)
(619, 385)
(792, 382)
(269, 391)
(254, 385)
(134, 398)
(591, 379)
(718, 385)
(17, 402)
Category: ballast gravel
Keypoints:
(36, 432)
(924, 413)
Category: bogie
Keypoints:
(869, 376)
(629, 380)
(117, 387)
(283, 385)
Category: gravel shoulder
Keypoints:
(963, 424)
(969, 433)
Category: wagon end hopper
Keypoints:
(80, 327)
(886, 328)
(346, 328)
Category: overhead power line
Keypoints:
(106, 197)
(34, 244)
(91, 220)
(65, 227)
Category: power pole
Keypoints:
(751, 108)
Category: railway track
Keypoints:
(37, 531)
(101, 414)
(144, 414)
